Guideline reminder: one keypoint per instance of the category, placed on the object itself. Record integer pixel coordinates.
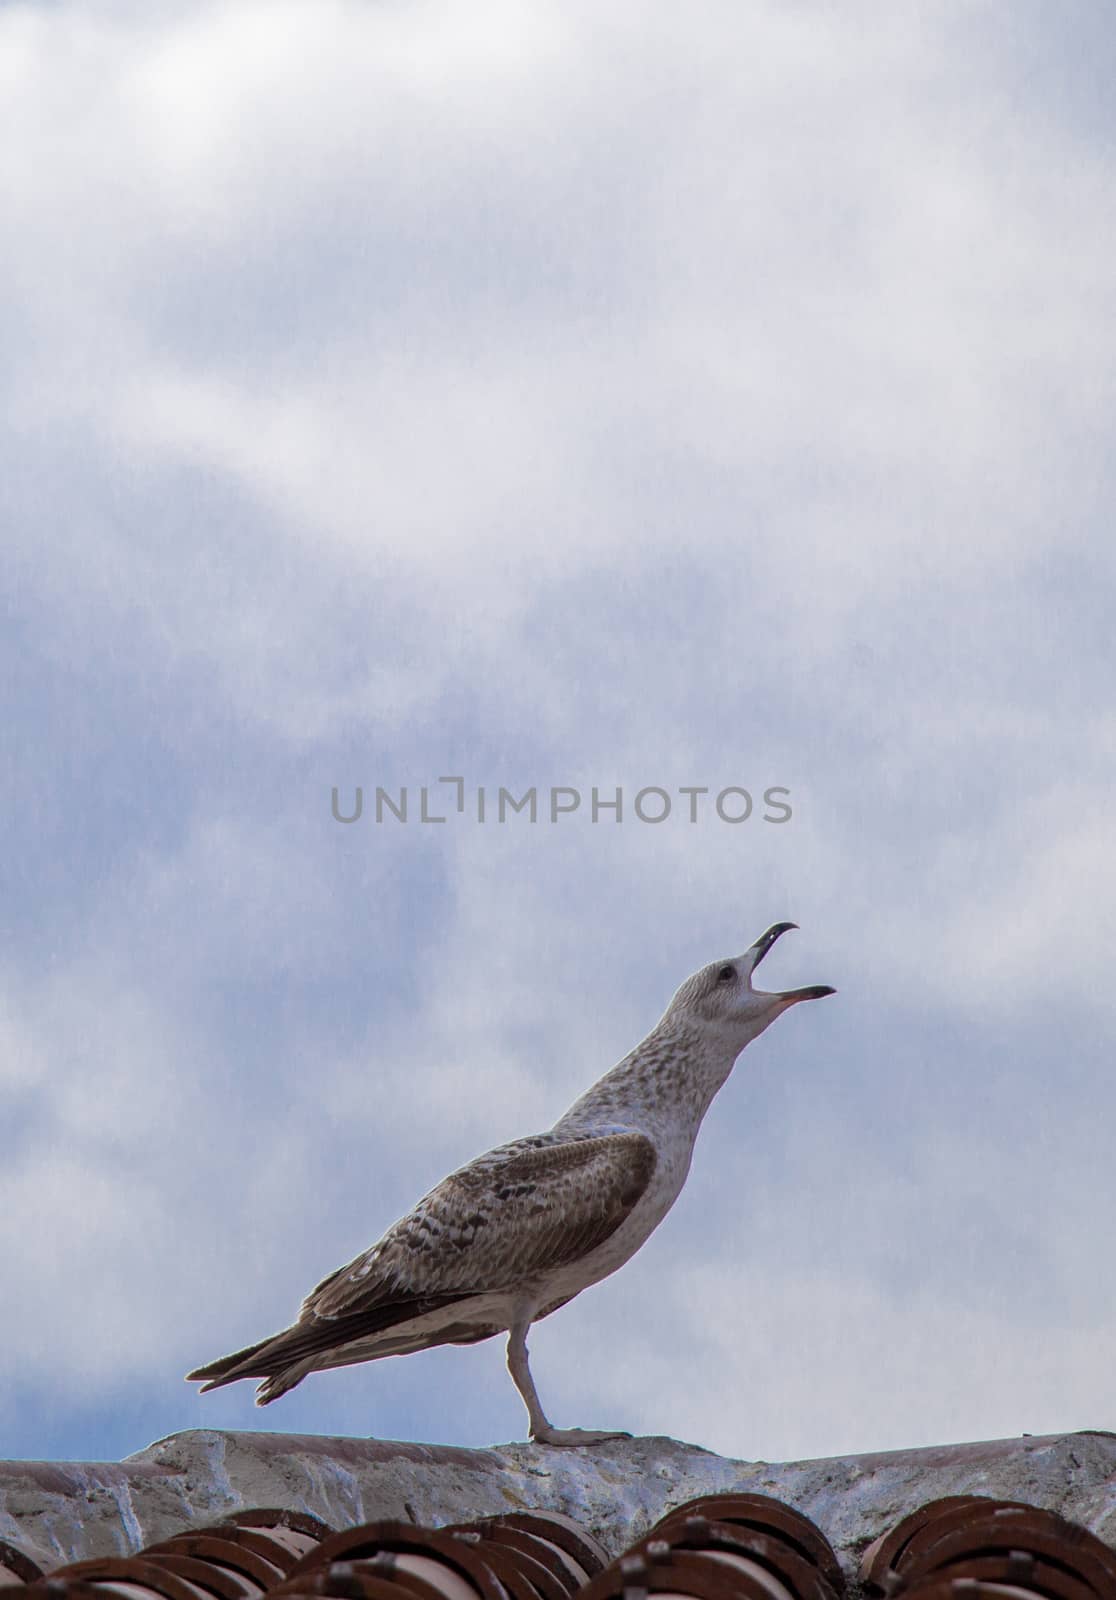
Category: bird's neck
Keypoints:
(663, 1087)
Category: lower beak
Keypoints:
(816, 991)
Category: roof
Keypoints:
(869, 1518)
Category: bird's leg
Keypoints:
(542, 1431)
(519, 1367)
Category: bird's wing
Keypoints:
(518, 1212)
(523, 1209)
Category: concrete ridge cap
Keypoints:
(68, 1473)
(364, 1450)
(962, 1450)
(158, 1458)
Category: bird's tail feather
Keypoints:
(229, 1369)
(280, 1382)
(311, 1344)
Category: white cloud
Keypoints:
(775, 1366)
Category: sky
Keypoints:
(557, 396)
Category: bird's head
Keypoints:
(720, 998)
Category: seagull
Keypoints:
(520, 1231)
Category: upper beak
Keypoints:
(765, 941)
(763, 944)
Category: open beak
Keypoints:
(763, 944)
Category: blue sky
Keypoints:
(557, 396)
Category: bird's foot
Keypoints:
(570, 1438)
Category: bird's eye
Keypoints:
(726, 975)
